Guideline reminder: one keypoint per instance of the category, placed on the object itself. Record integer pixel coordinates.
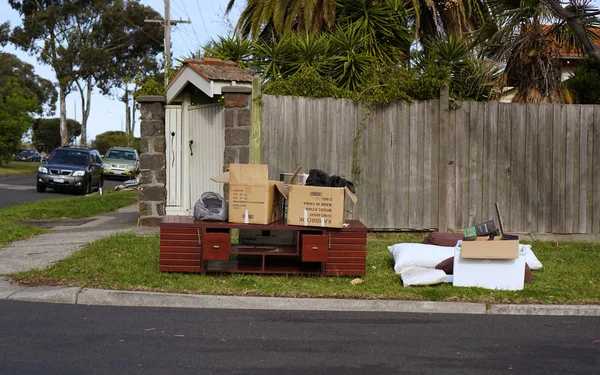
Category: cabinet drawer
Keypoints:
(314, 248)
(216, 246)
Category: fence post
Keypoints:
(256, 113)
(443, 161)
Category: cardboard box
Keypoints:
(267, 237)
(253, 199)
(317, 206)
(502, 274)
(483, 248)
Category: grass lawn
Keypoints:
(129, 262)
(18, 167)
(68, 208)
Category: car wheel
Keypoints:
(87, 189)
(40, 188)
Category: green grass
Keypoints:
(68, 208)
(129, 262)
(18, 168)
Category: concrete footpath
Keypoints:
(67, 237)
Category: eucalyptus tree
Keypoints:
(23, 94)
(86, 42)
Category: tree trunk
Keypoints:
(64, 131)
(85, 108)
(133, 118)
(579, 31)
(127, 114)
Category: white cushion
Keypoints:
(418, 255)
(422, 276)
(530, 258)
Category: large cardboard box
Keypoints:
(253, 199)
(502, 274)
(483, 248)
(317, 206)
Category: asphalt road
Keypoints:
(21, 189)
(39, 338)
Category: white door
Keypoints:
(204, 148)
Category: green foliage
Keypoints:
(585, 82)
(16, 104)
(231, 48)
(148, 85)
(110, 139)
(46, 133)
(306, 82)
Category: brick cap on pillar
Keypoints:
(151, 99)
(236, 90)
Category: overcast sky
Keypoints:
(207, 22)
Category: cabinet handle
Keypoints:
(199, 241)
(216, 246)
(315, 248)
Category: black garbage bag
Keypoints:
(211, 206)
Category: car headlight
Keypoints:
(78, 173)
(42, 169)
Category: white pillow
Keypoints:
(422, 276)
(530, 258)
(418, 255)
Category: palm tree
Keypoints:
(528, 38)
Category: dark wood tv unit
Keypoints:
(189, 245)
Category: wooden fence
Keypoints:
(440, 165)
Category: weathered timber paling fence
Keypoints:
(425, 166)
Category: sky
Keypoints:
(106, 114)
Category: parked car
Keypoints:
(122, 162)
(29, 155)
(71, 168)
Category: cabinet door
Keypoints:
(216, 246)
(314, 248)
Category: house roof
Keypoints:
(565, 52)
(209, 75)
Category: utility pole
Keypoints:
(167, 24)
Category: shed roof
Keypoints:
(208, 74)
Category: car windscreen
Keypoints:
(69, 157)
(125, 155)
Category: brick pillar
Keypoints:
(152, 160)
(237, 101)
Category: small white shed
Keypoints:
(195, 130)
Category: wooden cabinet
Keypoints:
(216, 246)
(314, 248)
(188, 245)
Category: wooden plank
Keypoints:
(558, 179)
(414, 185)
(584, 137)
(190, 256)
(427, 163)
(545, 168)
(476, 120)
(517, 170)
(596, 177)
(348, 260)
(571, 169)
(462, 167)
(587, 117)
(503, 173)
(443, 134)
(531, 168)
(451, 155)
(435, 164)
(405, 171)
(180, 249)
(490, 160)
(389, 168)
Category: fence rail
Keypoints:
(426, 165)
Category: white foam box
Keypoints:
(500, 274)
